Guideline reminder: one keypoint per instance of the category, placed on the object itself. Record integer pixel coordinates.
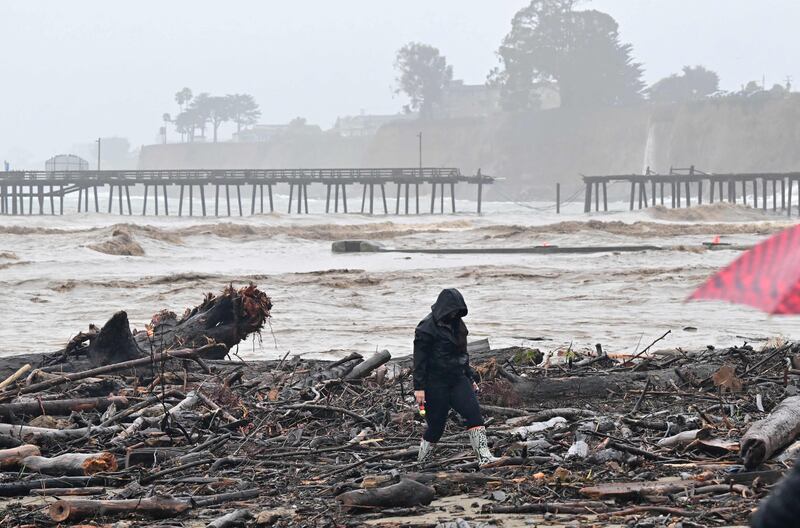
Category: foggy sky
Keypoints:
(75, 70)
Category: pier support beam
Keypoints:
(783, 194)
(371, 198)
(755, 194)
(327, 198)
(110, 197)
(744, 192)
(166, 200)
(597, 196)
(228, 197)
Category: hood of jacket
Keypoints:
(450, 300)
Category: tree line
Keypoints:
(551, 43)
(198, 113)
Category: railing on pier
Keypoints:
(44, 186)
(685, 187)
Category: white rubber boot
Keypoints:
(425, 451)
(477, 437)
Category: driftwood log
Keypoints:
(683, 439)
(600, 385)
(404, 494)
(235, 518)
(155, 507)
(227, 318)
(114, 343)
(364, 369)
(207, 350)
(768, 435)
(27, 432)
(336, 370)
(20, 488)
(629, 490)
(11, 458)
(15, 376)
(60, 407)
(72, 464)
(69, 492)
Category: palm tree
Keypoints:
(183, 97)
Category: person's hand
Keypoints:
(419, 396)
(475, 387)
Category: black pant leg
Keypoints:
(437, 407)
(465, 402)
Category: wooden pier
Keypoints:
(685, 187)
(40, 192)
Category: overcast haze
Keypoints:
(73, 71)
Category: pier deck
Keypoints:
(40, 190)
(685, 187)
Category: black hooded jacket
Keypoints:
(781, 508)
(440, 348)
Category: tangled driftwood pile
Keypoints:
(177, 435)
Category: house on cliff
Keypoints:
(367, 125)
(266, 133)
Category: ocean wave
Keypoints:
(120, 243)
(639, 229)
(229, 230)
(718, 212)
(717, 219)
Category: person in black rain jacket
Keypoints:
(443, 378)
(781, 508)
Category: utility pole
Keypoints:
(98, 154)
(420, 154)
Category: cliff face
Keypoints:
(307, 151)
(533, 151)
